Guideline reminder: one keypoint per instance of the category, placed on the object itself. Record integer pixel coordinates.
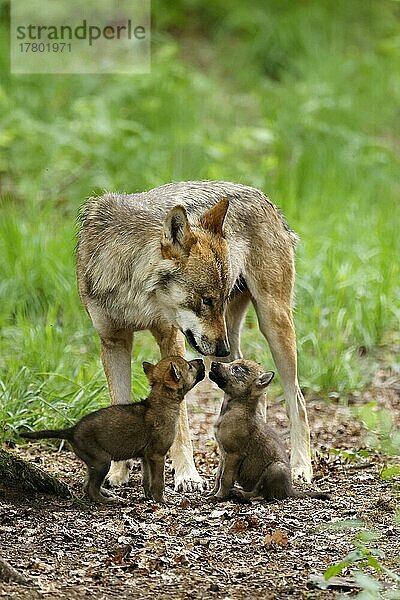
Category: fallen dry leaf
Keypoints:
(277, 537)
(185, 503)
(238, 526)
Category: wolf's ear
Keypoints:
(175, 372)
(213, 219)
(265, 379)
(148, 369)
(177, 238)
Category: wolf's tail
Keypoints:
(61, 434)
(320, 495)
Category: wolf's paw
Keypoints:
(111, 500)
(119, 472)
(191, 482)
(302, 471)
(107, 493)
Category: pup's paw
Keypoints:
(239, 496)
(302, 470)
(119, 472)
(213, 498)
(216, 498)
(104, 497)
(191, 482)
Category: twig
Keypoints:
(360, 467)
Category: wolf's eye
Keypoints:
(207, 301)
(236, 370)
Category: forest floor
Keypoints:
(192, 549)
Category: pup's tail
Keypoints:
(61, 434)
(320, 495)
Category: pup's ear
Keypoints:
(265, 379)
(213, 219)
(177, 238)
(148, 369)
(175, 372)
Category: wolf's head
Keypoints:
(194, 291)
(175, 374)
(242, 379)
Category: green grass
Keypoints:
(300, 99)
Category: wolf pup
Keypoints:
(143, 430)
(185, 260)
(252, 454)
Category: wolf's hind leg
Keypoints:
(98, 464)
(146, 477)
(235, 313)
(94, 488)
(274, 484)
(276, 323)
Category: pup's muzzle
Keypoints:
(216, 374)
(200, 368)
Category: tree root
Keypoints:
(9, 574)
(21, 473)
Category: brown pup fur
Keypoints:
(252, 454)
(143, 430)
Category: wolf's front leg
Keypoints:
(172, 343)
(187, 478)
(276, 324)
(116, 359)
(156, 465)
(228, 476)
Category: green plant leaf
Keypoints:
(389, 472)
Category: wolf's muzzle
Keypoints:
(222, 349)
(192, 341)
(207, 348)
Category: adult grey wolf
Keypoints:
(251, 453)
(184, 260)
(143, 430)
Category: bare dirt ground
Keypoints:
(190, 548)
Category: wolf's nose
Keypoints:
(222, 349)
